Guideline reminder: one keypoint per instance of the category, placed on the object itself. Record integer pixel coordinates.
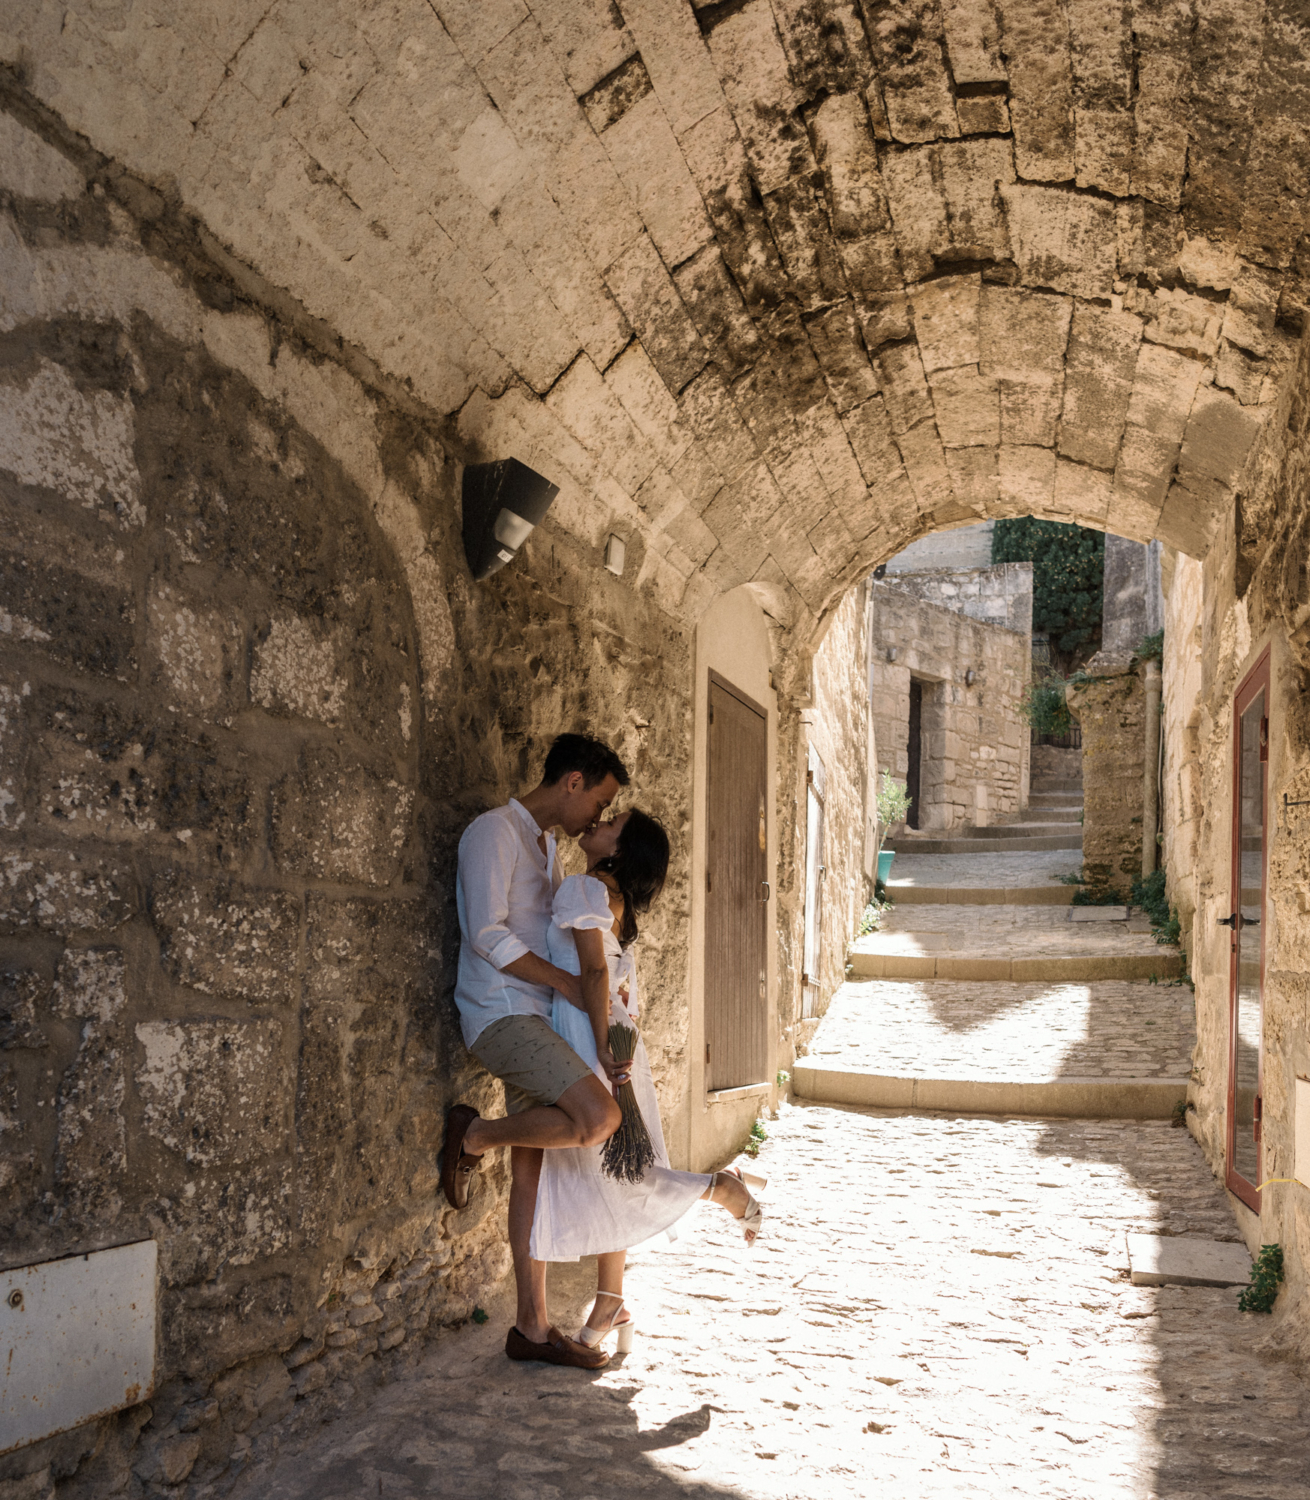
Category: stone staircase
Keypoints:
(1052, 820)
(986, 990)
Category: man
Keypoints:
(506, 883)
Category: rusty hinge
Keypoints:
(1257, 1123)
(707, 1054)
(1264, 739)
(709, 883)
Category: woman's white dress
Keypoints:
(581, 1211)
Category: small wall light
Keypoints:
(503, 502)
(615, 551)
(891, 653)
(970, 677)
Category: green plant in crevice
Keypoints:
(756, 1139)
(872, 916)
(1148, 892)
(1266, 1276)
(1151, 648)
(783, 1077)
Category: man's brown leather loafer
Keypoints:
(457, 1166)
(558, 1349)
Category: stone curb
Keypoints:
(964, 895)
(978, 846)
(1075, 969)
(1084, 1098)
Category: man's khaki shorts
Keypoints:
(530, 1058)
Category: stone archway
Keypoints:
(779, 287)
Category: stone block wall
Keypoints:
(249, 698)
(1251, 594)
(837, 726)
(1111, 711)
(975, 741)
(998, 594)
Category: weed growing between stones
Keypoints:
(1266, 1276)
(872, 916)
(756, 1139)
(1148, 893)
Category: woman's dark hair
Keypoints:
(579, 752)
(638, 867)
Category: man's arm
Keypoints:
(486, 862)
(539, 971)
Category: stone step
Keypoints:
(966, 895)
(1055, 784)
(1085, 1098)
(954, 844)
(1065, 814)
(1054, 799)
(1030, 828)
(1064, 968)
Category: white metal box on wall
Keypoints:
(77, 1340)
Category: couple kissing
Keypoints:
(546, 985)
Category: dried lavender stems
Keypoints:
(628, 1152)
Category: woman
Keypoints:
(581, 1210)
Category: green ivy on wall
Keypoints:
(1068, 565)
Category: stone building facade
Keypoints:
(770, 292)
(974, 741)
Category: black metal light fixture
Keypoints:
(502, 502)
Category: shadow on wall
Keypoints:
(248, 701)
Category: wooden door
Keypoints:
(737, 891)
(914, 764)
(1245, 922)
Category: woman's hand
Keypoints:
(617, 1072)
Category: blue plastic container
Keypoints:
(885, 858)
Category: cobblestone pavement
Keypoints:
(1032, 867)
(938, 1307)
(1002, 932)
(1002, 1030)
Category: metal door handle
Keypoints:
(767, 891)
(1230, 921)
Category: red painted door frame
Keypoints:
(1256, 680)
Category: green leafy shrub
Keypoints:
(892, 800)
(1068, 565)
(1044, 707)
(756, 1139)
(1266, 1275)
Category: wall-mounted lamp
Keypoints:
(615, 552)
(970, 677)
(891, 653)
(880, 571)
(503, 502)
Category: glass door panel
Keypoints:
(1246, 921)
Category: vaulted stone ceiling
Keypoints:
(773, 285)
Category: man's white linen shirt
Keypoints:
(504, 890)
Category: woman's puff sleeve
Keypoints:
(582, 903)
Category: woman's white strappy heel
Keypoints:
(623, 1342)
(752, 1221)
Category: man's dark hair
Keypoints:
(579, 752)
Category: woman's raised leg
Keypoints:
(729, 1191)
